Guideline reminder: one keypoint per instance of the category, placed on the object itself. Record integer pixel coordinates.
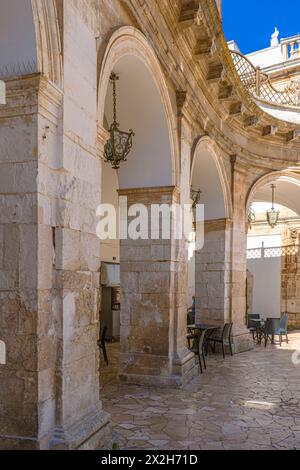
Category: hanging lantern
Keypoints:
(251, 216)
(195, 196)
(119, 144)
(273, 215)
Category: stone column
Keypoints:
(213, 273)
(80, 421)
(49, 275)
(221, 269)
(240, 187)
(19, 299)
(290, 278)
(153, 314)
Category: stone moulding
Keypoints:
(48, 39)
(89, 433)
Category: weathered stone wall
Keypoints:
(153, 305)
(212, 274)
(290, 289)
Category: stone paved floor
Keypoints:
(249, 401)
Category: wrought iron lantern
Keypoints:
(195, 196)
(119, 144)
(251, 215)
(273, 215)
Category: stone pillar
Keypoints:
(153, 303)
(20, 412)
(49, 275)
(290, 278)
(213, 273)
(240, 186)
(80, 422)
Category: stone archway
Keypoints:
(285, 176)
(153, 349)
(129, 41)
(212, 260)
(220, 269)
(206, 146)
(273, 256)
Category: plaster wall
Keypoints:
(266, 286)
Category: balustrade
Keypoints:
(258, 83)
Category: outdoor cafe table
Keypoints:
(260, 323)
(202, 327)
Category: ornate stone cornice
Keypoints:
(167, 194)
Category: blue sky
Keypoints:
(251, 22)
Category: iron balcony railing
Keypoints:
(272, 252)
(258, 83)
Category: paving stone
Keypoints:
(248, 402)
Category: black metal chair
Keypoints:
(198, 349)
(224, 339)
(282, 329)
(253, 325)
(269, 330)
(102, 344)
(191, 335)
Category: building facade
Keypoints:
(197, 123)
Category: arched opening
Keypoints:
(17, 38)
(209, 268)
(142, 280)
(30, 39)
(140, 108)
(273, 251)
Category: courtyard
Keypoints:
(250, 401)
(149, 188)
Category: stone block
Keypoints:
(151, 283)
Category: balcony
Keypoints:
(290, 48)
(259, 84)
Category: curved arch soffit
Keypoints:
(285, 176)
(48, 39)
(206, 144)
(129, 41)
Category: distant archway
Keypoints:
(149, 176)
(287, 189)
(208, 173)
(210, 265)
(273, 252)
